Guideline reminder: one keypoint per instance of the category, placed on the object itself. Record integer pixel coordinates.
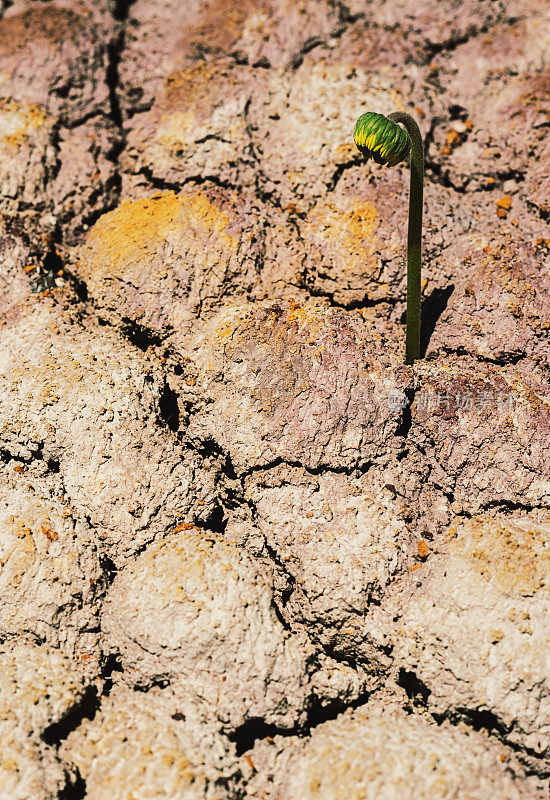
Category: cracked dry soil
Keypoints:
(244, 551)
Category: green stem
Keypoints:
(412, 347)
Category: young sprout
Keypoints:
(382, 139)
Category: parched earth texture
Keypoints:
(244, 551)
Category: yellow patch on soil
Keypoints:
(18, 120)
(280, 324)
(348, 234)
(305, 318)
(138, 229)
(190, 82)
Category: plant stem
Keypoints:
(412, 346)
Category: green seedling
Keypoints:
(386, 142)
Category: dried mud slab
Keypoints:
(221, 118)
(496, 120)
(383, 752)
(355, 237)
(38, 687)
(14, 282)
(498, 309)
(51, 578)
(55, 54)
(472, 630)
(305, 384)
(51, 176)
(93, 404)
(161, 261)
(302, 125)
(143, 745)
(58, 142)
(195, 81)
(342, 541)
(482, 435)
(163, 37)
(196, 611)
(166, 260)
(224, 122)
(196, 128)
(28, 161)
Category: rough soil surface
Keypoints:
(244, 550)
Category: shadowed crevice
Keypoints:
(509, 505)
(309, 45)
(322, 469)
(405, 422)
(432, 49)
(107, 565)
(209, 448)
(139, 335)
(352, 305)
(85, 708)
(78, 286)
(482, 719)
(501, 361)
(478, 719)
(164, 185)
(415, 689)
(216, 522)
(169, 411)
(75, 788)
(52, 464)
(114, 53)
(255, 729)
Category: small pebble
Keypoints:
(423, 549)
(510, 187)
(459, 126)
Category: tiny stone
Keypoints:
(510, 186)
(423, 549)
(459, 126)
